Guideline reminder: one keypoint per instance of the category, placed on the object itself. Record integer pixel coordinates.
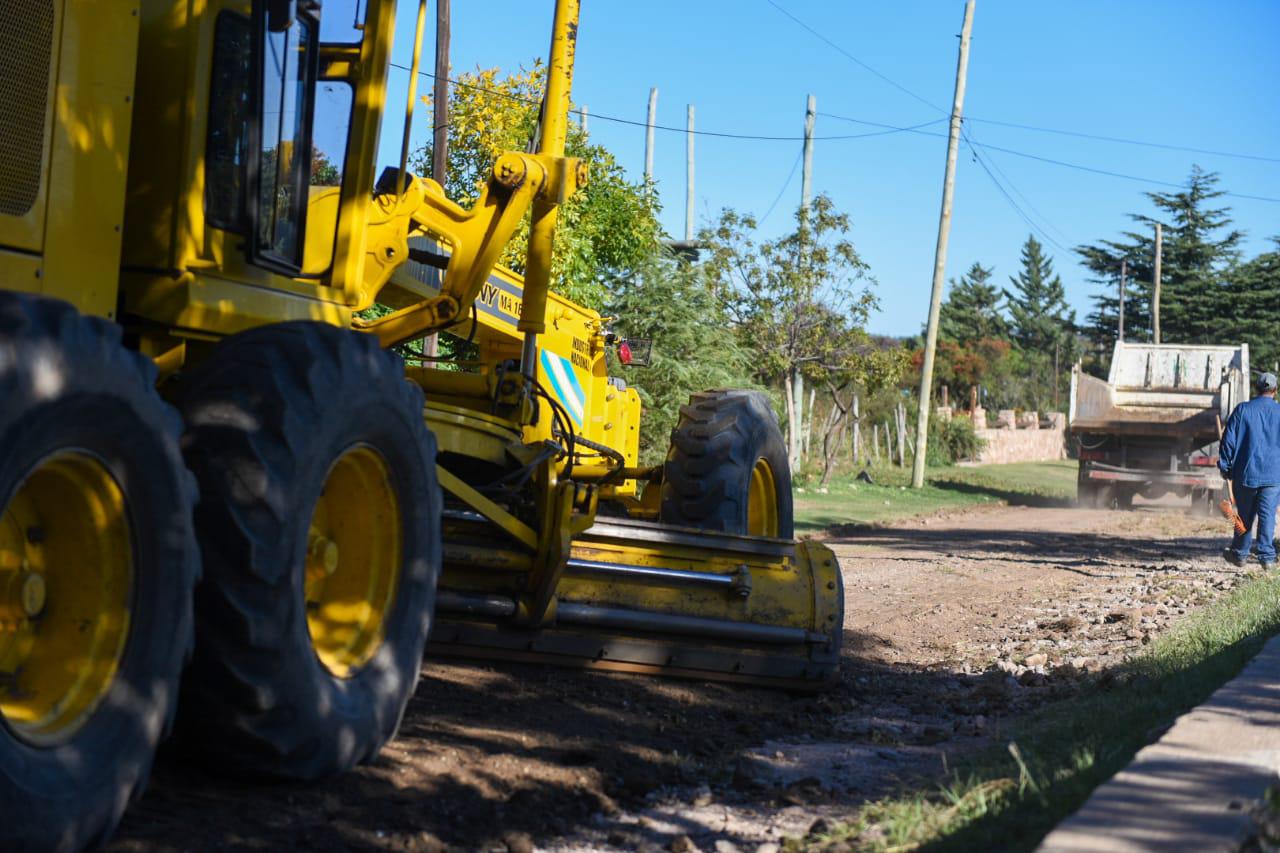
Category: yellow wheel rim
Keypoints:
(762, 501)
(66, 581)
(353, 561)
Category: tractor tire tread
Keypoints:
(251, 409)
(714, 446)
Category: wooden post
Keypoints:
(902, 434)
(440, 97)
(648, 134)
(1155, 285)
(875, 441)
(439, 126)
(808, 421)
(806, 174)
(1124, 270)
(797, 413)
(857, 429)
(688, 172)
(940, 253)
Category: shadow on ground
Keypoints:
(493, 755)
(488, 751)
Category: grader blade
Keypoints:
(638, 596)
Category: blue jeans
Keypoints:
(1260, 504)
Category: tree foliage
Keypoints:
(604, 233)
(1199, 262)
(801, 304)
(971, 311)
(695, 345)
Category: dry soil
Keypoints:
(954, 625)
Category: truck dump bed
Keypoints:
(1170, 390)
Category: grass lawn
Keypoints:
(847, 501)
(1009, 798)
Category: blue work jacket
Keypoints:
(1250, 449)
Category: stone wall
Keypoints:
(1027, 438)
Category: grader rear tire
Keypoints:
(727, 467)
(319, 517)
(97, 565)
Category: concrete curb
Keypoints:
(1192, 789)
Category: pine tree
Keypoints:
(1195, 268)
(1254, 315)
(1038, 304)
(1042, 326)
(972, 310)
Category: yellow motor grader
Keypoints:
(229, 508)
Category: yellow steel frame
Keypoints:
(121, 221)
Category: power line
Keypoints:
(1062, 163)
(670, 128)
(1124, 141)
(781, 192)
(885, 130)
(991, 161)
(847, 55)
(977, 158)
(1112, 174)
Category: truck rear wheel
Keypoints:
(97, 565)
(319, 517)
(727, 467)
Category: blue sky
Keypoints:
(1194, 74)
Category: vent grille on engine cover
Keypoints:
(26, 40)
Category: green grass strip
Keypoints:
(1010, 797)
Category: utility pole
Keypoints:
(940, 254)
(806, 176)
(439, 126)
(582, 112)
(648, 134)
(806, 196)
(688, 173)
(1124, 270)
(440, 97)
(1155, 285)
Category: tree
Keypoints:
(604, 233)
(695, 345)
(972, 309)
(1199, 253)
(801, 303)
(1042, 326)
(1254, 307)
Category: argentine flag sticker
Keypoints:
(565, 385)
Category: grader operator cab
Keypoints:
(228, 505)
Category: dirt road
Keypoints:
(954, 625)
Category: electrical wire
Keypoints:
(752, 137)
(782, 191)
(847, 55)
(992, 162)
(1123, 141)
(1013, 204)
(1075, 133)
(1063, 163)
(886, 129)
(988, 164)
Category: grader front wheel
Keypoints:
(97, 566)
(319, 518)
(727, 467)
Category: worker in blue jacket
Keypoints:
(1249, 456)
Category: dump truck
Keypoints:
(1153, 427)
(234, 506)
